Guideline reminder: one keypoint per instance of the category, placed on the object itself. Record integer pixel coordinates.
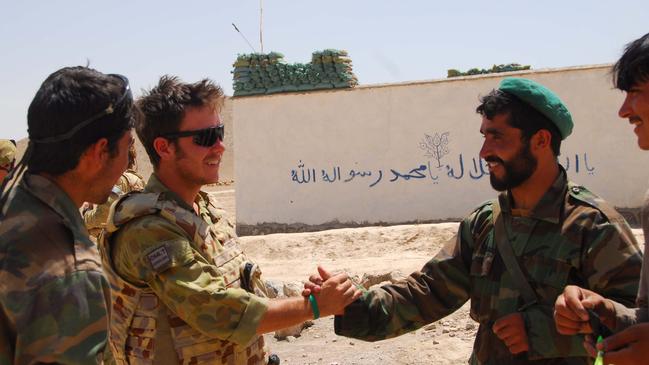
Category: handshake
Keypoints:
(332, 292)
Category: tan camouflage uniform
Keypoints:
(53, 308)
(177, 283)
(95, 218)
(7, 154)
(570, 237)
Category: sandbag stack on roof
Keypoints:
(256, 73)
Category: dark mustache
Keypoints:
(634, 119)
(494, 159)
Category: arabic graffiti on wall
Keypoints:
(432, 169)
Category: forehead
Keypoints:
(200, 117)
(499, 125)
(499, 122)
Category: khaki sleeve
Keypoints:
(155, 252)
(98, 215)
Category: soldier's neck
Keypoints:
(186, 190)
(530, 192)
(69, 183)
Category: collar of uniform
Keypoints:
(549, 207)
(154, 185)
(57, 199)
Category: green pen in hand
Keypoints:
(599, 360)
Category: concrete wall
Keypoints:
(409, 152)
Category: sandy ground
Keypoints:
(360, 251)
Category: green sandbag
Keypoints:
(289, 88)
(341, 85)
(305, 87)
(274, 89)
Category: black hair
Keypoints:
(520, 115)
(633, 67)
(99, 105)
(161, 110)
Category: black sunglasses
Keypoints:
(109, 110)
(202, 137)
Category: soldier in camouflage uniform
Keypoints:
(95, 216)
(557, 232)
(53, 307)
(182, 290)
(631, 344)
(7, 157)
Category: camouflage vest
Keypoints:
(138, 317)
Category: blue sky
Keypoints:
(387, 41)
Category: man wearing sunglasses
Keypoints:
(182, 289)
(7, 157)
(53, 307)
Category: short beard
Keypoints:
(193, 177)
(517, 170)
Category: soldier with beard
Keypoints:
(513, 255)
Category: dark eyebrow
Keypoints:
(493, 131)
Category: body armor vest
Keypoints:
(138, 318)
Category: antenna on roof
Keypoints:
(261, 25)
(244, 38)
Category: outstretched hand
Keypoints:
(333, 292)
(314, 285)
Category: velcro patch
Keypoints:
(159, 259)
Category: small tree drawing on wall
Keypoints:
(435, 146)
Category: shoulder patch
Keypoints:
(159, 259)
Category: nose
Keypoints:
(485, 149)
(625, 108)
(219, 146)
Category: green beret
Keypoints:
(7, 152)
(542, 99)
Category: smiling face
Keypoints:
(508, 156)
(635, 109)
(197, 165)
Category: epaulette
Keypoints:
(132, 205)
(584, 195)
(483, 205)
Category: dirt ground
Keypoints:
(360, 251)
